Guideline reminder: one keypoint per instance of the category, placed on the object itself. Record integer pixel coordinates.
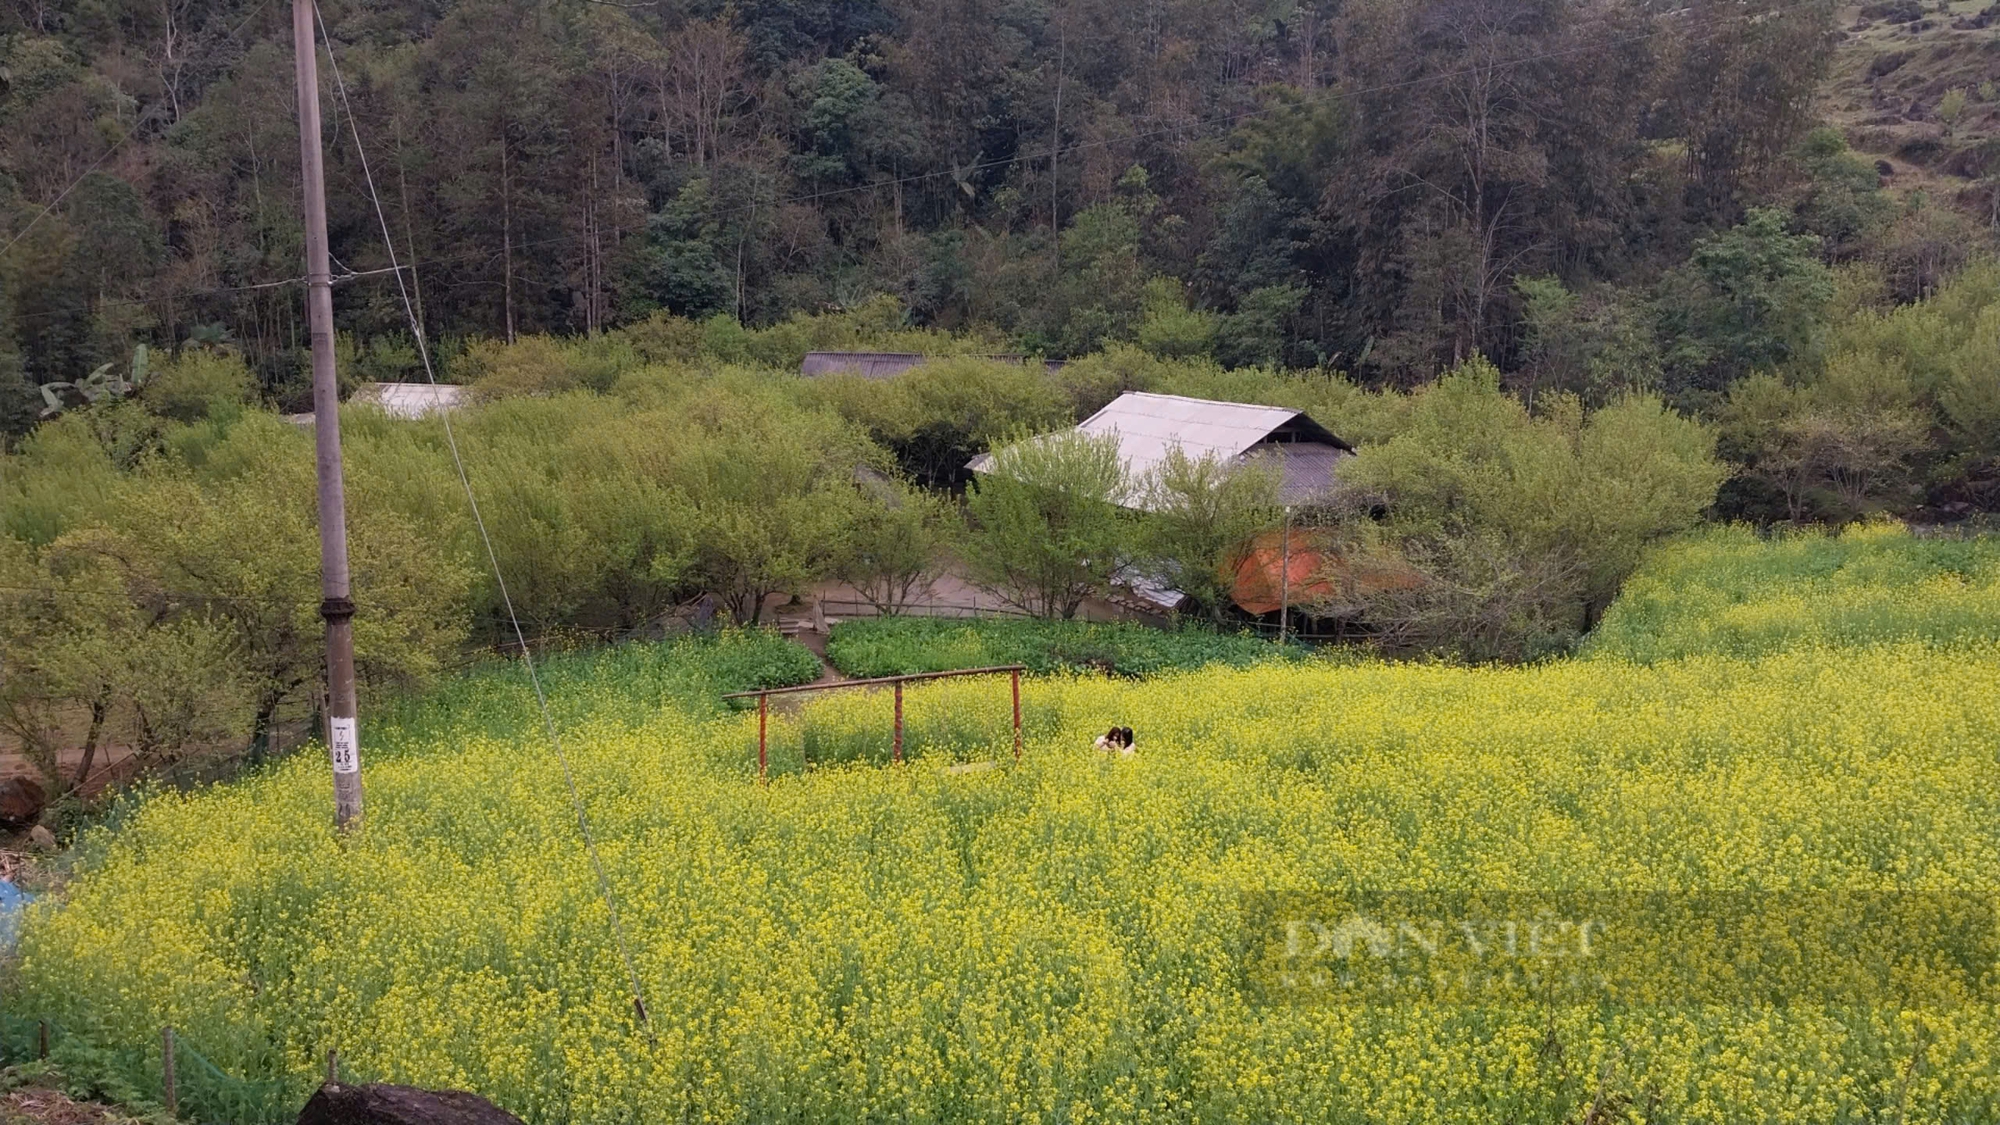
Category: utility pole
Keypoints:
(1285, 581)
(336, 603)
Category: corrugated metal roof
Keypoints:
(1148, 425)
(1305, 468)
(888, 365)
(411, 400)
(868, 365)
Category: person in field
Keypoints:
(1117, 740)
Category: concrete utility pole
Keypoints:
(336, 605)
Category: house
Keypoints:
(1148, 425)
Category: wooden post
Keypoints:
(763, 717)
(41, 1039)
(336, 605)
(167, 1070)
(899, 721)
(1017, 714)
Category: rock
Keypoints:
(400, 1105)
(1884, 169)
(22, 800)
(1893, 11)
(1888, 62)
(41, 839)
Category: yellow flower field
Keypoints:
(1087, 939)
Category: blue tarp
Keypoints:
(13, 900)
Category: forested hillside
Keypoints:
(1361, 184)
(1596, 195)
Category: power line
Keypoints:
(185, 295)
(492, 558)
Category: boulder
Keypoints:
(376, 1104)
(22, 799)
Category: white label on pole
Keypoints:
(346, 747)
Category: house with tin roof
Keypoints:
(1147, 426)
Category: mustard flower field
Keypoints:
(1703, 873)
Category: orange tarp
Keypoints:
(1319, 573)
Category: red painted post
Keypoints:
(763, 713)
(899, 721)
(1017, 714)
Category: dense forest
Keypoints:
(1359, 184)
(1595, 195)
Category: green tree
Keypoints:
(236, 542)
(940, 414)
(199, 383)
(899, 538)
(19, 401)
(1047, 528)
(1749, 297)
(1201, 514)
(771, 504)
(1524, 524)
(1168, 327)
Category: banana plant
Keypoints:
(101, 385)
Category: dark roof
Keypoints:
(1306, 470)
(886, 365)
(868, 365)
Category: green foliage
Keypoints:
(178, 603)
(1598, 345)
(1047, 530)
(903, 646)
(1523, 525)
(198, 383)
(1255, 334)
(1908, 395)
(1724, 591)
(1168, 327)
(1200, 516)
(627, 684)
(899, 538)
(1842, 200)
(1950, 108)
(544, 365)
(62, 476)
(1749, 297)
(770, 504)
(938, 415)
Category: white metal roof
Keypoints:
(1148, 425)
(411, 400)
